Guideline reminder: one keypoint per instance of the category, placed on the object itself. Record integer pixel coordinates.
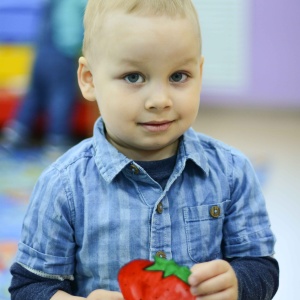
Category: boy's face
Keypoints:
(146, 79)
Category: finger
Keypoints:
(213, 285)
(224, 295)
(105, 295)
(204, 271)
(116, 296)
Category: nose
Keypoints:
(158, 98)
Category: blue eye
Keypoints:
(134, 78)
(178, 77)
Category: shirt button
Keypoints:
(135, 170)
(161, 254)
(215, 211)
(160, 208)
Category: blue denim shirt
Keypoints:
(94, 210)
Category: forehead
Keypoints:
(97, 10)
(163, 32)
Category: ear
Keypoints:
(85, 80)
(201, 71)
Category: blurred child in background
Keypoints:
(53, 85)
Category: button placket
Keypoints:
(160, 242)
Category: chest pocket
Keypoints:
(203, 228)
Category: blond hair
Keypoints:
(96, 10)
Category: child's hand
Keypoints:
(105, 295)
(214, 280)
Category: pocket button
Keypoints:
(215, 211)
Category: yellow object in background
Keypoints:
(15, 67)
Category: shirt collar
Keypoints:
(190, 148)
(111, 162)
(108, 159)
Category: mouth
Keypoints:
(156, 126)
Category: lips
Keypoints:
(157, 126)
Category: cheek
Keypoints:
(107, 103)
(115, 112)
(190, 106)
(120, 108)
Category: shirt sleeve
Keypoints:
(258, 277)
(247, 230)
(26, 285)
(47, 242)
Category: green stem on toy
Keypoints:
(170, 267)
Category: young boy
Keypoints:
(145, 184)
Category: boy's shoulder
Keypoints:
(209, 143)
(209, 151)
(77, 154)
(212, 154)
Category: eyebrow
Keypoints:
(138, 62)
(189, 60)
(132, 61)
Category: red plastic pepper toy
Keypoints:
(160, 280)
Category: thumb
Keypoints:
(105, 295)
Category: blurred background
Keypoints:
(250, 100)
